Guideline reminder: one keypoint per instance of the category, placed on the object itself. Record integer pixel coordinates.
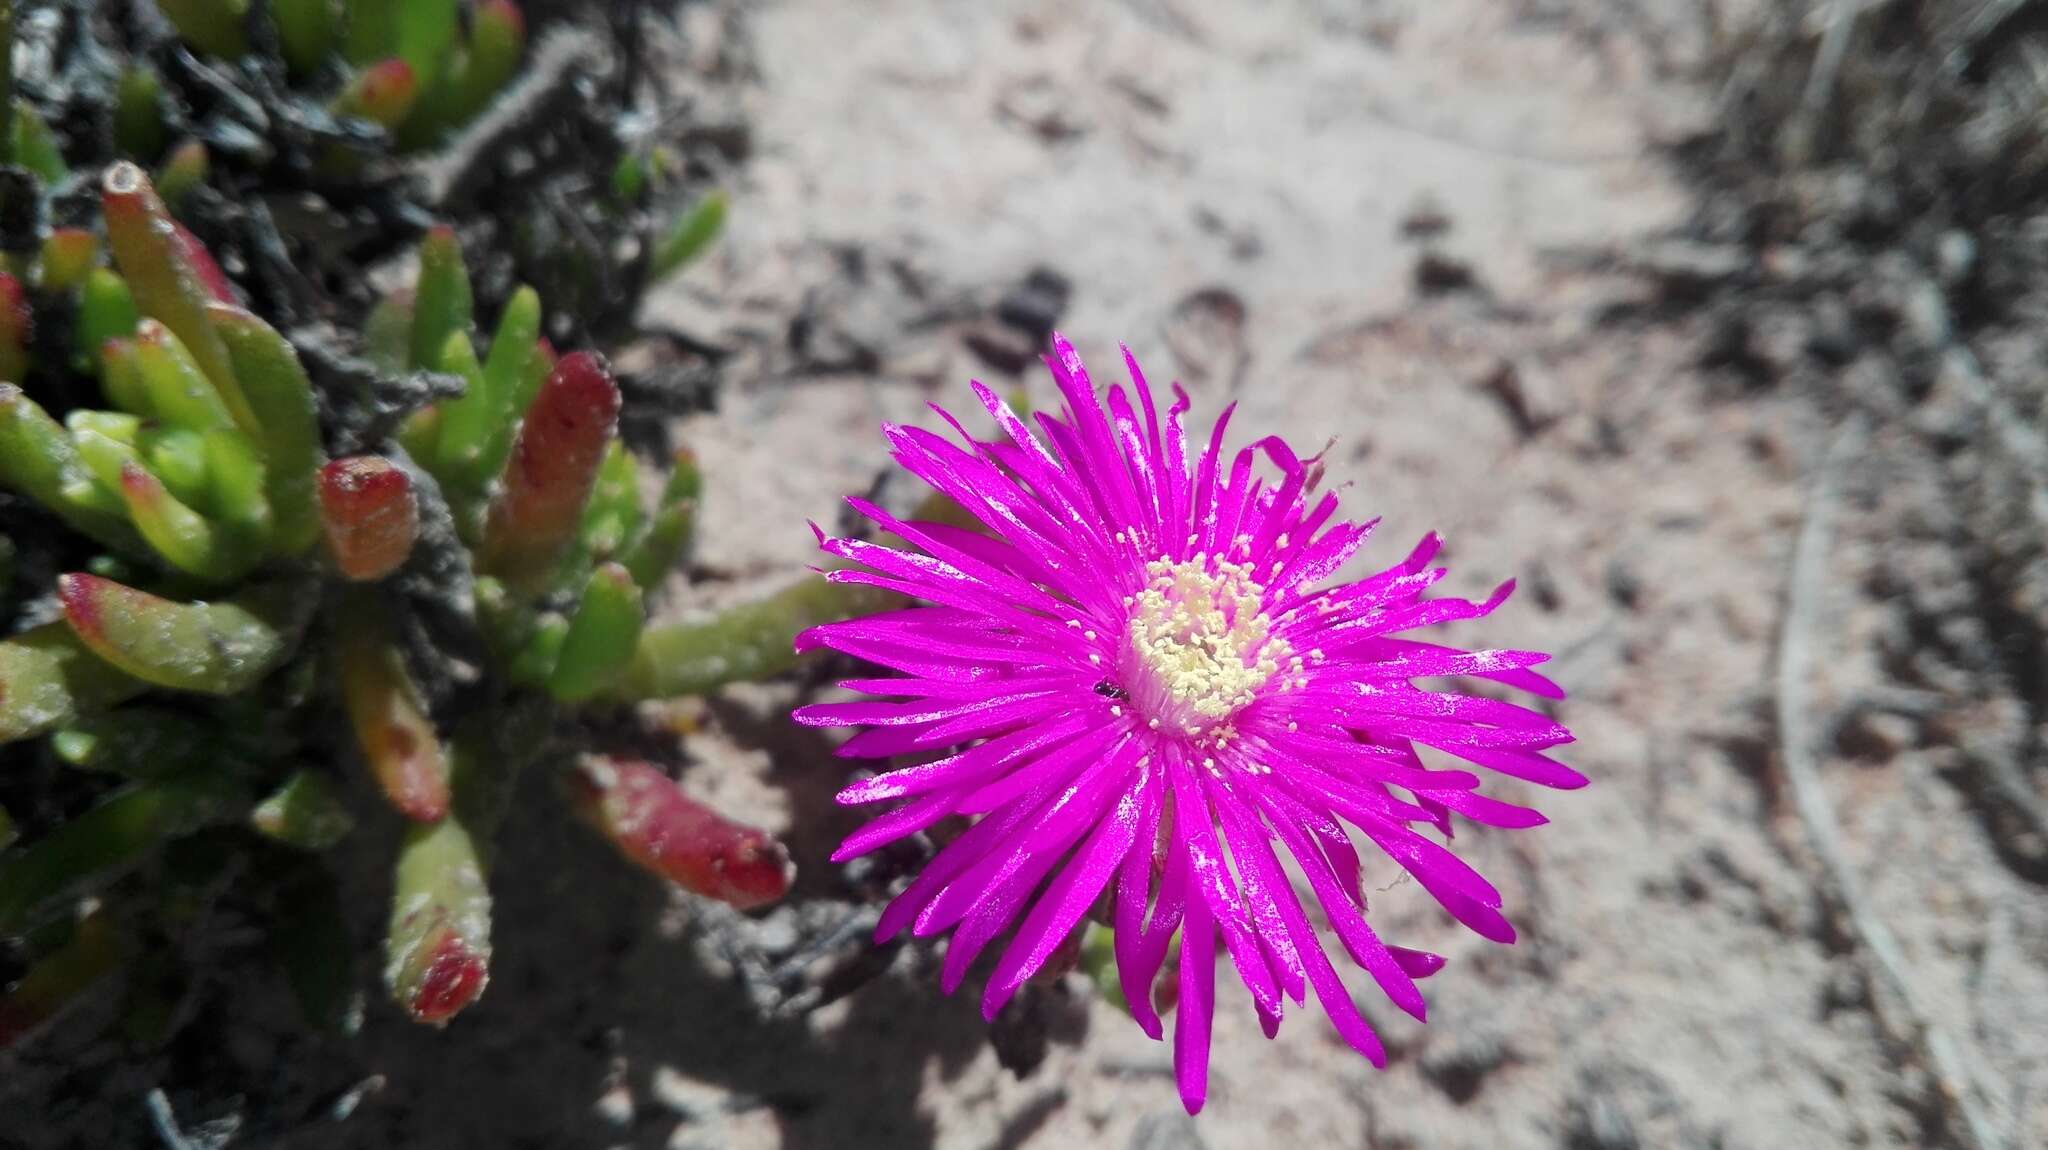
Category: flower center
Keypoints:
(1198, 648)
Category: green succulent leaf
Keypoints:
(281, 395)
(689, 236)
(105, 842)
(220, 648)
(442, 305)
(601, 636)
(48, 677)
(305, 812)
(139, 742)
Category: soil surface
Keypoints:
(1461, 239)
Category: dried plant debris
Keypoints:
(308, 139)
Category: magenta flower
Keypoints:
(1133, 679)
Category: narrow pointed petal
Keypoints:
(1197, 1007)
(1065, 901)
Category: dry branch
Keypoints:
(1909, 1019)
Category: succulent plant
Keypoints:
(226, 586)
(415, 68)
(310, 141)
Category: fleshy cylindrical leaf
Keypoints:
(393, 730)
(67, 258)
(630, 176)
(48, 677)
(383, 93)
(180, 392)
(151, 256)
(438, 953)
(387, 333)
(477, 428)
(121, 378)
(420, 434)
(497, 37)
(184, 538)
(140, 742)
(601, 636)
(39, 460)
(219, 648)
(235, 487)
(184, 172)
(282, 397)
(307, 32)
(305, 812)
(60, 980)
(370, 515)
(217, 27)
(535, 659)
(653, 823)
(457, 444)
(17, 328)
(35, 147)
(612, 517)
(442, 304)
(665, 543)
(139, 113)
(176, 455)
(211, 277)
(105, 456)
(742, 643)
(426, 36)
(371, 31)
(103, 843)
(118, 425)
(36, 457)
(548, 479)
(106, 311)
(437, 956)
(689, 236)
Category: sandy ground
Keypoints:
(1385, 224)
(1231, 192)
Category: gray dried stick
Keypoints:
(1908, 1018)
(558, 61)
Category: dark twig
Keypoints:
(1912, 1022)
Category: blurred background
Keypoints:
(1719, 326)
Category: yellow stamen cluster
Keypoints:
(1198, 646)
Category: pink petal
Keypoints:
(966, 767)
(1067, 899)
(1193, 826)
(1197, 1006)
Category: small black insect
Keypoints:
(1109, 690)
